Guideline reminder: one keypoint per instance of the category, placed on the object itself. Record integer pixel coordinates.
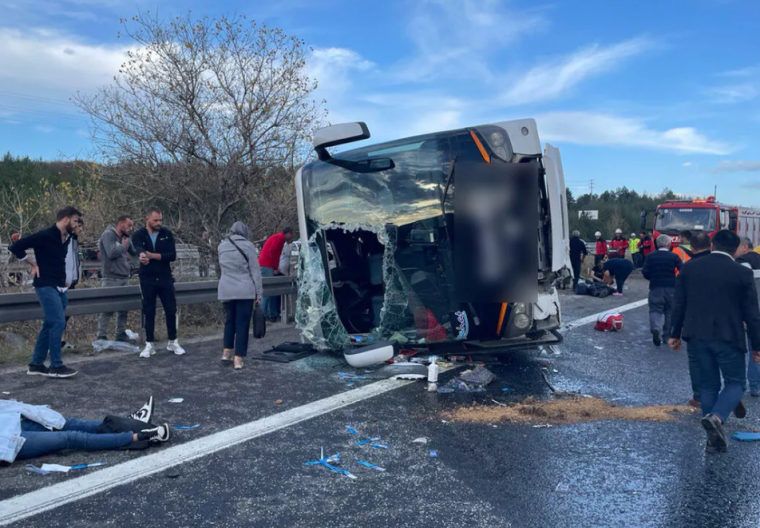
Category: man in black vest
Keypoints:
(715, 297)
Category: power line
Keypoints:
(28, 97)
(41, 112)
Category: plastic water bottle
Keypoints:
(433, 370)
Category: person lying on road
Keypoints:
(29, 431)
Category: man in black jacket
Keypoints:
(49, 271)
(660, 268)
(155, 245)
(746, 256)
(715, 297)
(578, 252)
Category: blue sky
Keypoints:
(646, 94)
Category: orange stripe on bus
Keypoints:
(482, 150)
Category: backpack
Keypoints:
(609, 322)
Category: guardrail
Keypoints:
(16, 307)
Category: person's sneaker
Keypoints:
(617, 294)
(740, 411)
(656, 338)
(62, 372)
(162, 433)
(173, 346)
(38, 370)
(101, 338)
(149, 350)
(716, 436)
(145, 413)
(695, 403)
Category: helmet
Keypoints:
(633, 235)
(598, 233)
(618, 231)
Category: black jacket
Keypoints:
(49, 254)
(156, 269)
(714, 297)
(660, 269)
(577, 248)
(751, 258)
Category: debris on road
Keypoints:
(371, 466)
(352, 430)
(278, 402)
(367, 441)
(6, 393)
(35, 469)
(176, 400)
(132, 335)
(420, 440)
(328, 463)
(744, 436)
(403, 370)
(539, 426)
(562, 487)
(380, 446)
(566, 409)
(473, 380)
(186, 427)
(350, 384)
(117, 346)
(505, 389)
(433, 454)
(347, 376)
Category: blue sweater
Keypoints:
(660, 268)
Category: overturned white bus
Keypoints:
(452, 240)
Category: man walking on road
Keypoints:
(155, 245)
(633, 247)
(578, 253)
(747, 257)
(660, 269)
(715, 297)
(269, 260)
(49, 271)
(115, 244)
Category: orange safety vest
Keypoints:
(684, 254)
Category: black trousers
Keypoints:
(164, 290)
(237, 325)
(576, 264)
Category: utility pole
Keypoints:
(591, 187)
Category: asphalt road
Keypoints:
(607, 473)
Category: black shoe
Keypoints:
(62, 372)
(716, 436)
(656, 339)
(145, 413)
(162, 433)
(101, 338)
(38, 370)
(740, 411)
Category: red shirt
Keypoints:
(601, 247)
(619, 245)
(647, 246)
(270, 253)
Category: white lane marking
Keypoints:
(592, 318)
(45, 499)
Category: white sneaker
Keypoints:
(173, 346)
(149, 350)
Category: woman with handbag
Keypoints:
(240, 290)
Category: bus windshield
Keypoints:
(672, 221)
(409, 192)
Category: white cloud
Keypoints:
(585, 128)
(736, 93)
(737, 166)
(551, 81)
(687, 164)
(45, 129)
(459, 36)
(333, 67)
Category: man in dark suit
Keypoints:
(715, 297)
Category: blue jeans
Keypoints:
(270, 305)
(76, 434)
(718, 358)
(237, 325)
(53, 304)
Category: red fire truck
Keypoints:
(708, 215)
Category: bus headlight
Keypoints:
(521, 321)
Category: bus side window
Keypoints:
(467, 149)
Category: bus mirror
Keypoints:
(338, 135)
(643, 220)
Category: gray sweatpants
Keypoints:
(660, 309)
(121, 317)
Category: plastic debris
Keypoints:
(744, 436)
(505, 389)
(85, 466)
(380, 446)
(350, 384)
(562, 487)
(131, 334)
(433, 454)
(35, 469)
(420, 440)
(176, 400)
(478, 376)
(117, 346)
(599, 348)
(55, 467)
(404, 370)
(6, 393)
(367, 441)
(555, 371)
(352, 430)
(499, 403)
(185, 427)
(344, 376)
(371, 466)
(540, 426)
(328, 463)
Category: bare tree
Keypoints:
(202, 114)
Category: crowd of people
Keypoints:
(55, 270)
(702, 291)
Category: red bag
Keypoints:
(609, 322)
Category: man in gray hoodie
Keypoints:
(115, 244)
